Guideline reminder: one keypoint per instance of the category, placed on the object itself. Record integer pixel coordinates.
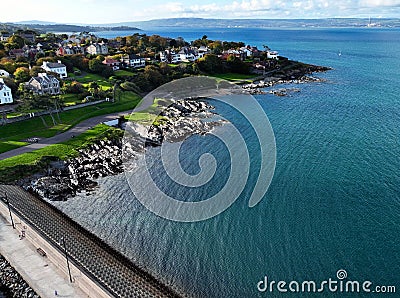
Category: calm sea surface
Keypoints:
(334, 202)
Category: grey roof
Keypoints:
(45, 79)
(54, 65)
(134, 56)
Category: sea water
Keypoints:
(334, 201)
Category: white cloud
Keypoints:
(103, 11)
(379, 3)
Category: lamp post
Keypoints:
(5, 200)
(62, 240)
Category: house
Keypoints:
(44, 84)
(31, 51)
(4, 73)
(4, 36)
(237, 53)
(188, 55)
(202, 51)
(97, 49)
(134, 61)
(30, 36)
(5, 93)
(247, 50)
(58, 68)
(16, 53)
(165, 56)
(114, 64)
(69, 50)
(272, 55)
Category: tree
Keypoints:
(75, 87)
(94, 88)
(15, 42)
(42, 102)
(153, 76)
(210, 64)
(95, 65)
(21, 74)
(236, 65)
(35, 70)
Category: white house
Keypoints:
(134, 61)
(202, 51)
(97, 49)
(4, 73)
(5, 93)
(272, 55)
(58, 68)
(188, 55)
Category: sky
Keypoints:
(114, 11)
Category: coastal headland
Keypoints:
(61, 161)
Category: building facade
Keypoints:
(97, 49)
(44, 84)
(58, 68)
(5, 93)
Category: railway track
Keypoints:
(104, 265)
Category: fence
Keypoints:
(4, 120)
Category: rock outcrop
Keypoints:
(65, 179)
(12, 283)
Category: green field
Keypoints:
(12, 135)
(29, 163)
(70, 99)
(123, 73)
(90, 77)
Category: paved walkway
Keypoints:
(94, 264)
(76, 130)
(40, 274)
(65, 136)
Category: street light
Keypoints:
(62, 240)
(5, 200)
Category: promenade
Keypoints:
(96, 269)
(43, 276)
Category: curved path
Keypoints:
(76, 130)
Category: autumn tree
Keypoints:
(21, 74)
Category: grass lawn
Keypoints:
(90, 77)
(19, 131)
(150, 115)
(234, 76)
(123, 73)
(70, 99)
(28, 163)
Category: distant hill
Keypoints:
(204, 23)
(51, 27)
(259, 23)
(34, 22)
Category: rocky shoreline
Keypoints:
(64, 179)
(258, 86)
(297, 73)
(11, 282)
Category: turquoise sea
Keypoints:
(334, 202)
